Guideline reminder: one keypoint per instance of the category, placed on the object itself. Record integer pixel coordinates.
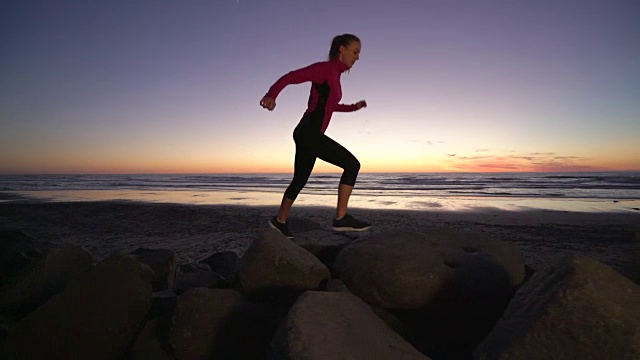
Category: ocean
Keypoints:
(597, 191)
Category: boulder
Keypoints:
(5, 325)
(224, 263)
(409, 271)
(16, 250)
(273, 261)
(148, 344)
(164, 264)
(465, 248)
(191, 276)
(393, 270)
(324, 245)
(336, 285)
(96, 317)
(632, 268)
(200, 316)
(448, 288)
(576, 308)
(330, 325)
(299, 225)
(47, 274)
(153, 341)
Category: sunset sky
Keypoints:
(159, 86)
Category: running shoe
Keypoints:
(282, 228)
(349, 223)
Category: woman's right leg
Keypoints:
(303, 165)
(302, 170)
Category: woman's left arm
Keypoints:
(353, 107)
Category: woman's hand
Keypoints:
(361, 104)
(268, 103)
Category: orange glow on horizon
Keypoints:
(279, 162)
(150, 168)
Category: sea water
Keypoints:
(597, 191)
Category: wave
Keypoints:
(582, 185)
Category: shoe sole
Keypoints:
(274, 227)
(346, 229)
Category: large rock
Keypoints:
(274, 261)
(325, 245)
(393, 270)
(251, 327)
(191, 276)
(164, 264)
(408, 270)
(148, 344)
(45, 275)
(332, 325)
(16, 250)
(224, 263)
(577, 308)
(199, 320)
(95, 317)
(153, 341)
(448, 288)
(299, 225)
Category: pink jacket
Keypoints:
(325, 88)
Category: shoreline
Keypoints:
(257, 197)
(196, 231)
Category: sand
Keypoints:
(197, 231)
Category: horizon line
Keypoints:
(318, 172)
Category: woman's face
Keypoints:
(350, 54)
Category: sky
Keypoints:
(159, 86)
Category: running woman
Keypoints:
(311, 142)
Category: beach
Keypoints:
(196, 231)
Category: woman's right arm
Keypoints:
(314, 73)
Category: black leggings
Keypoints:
(312, 144)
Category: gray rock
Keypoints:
(16, 250)
(392, 321)
(47, 274)
(393, 270)
(148, 346)
(458, 247)
(336, 285)
(325, 245)
(5, 325)
(199, 319)
(164, 264)
(96, 317)
(332, 325)
(224, 263)
(301, 225)
(194, 268)
(249, 330)
(577, 308)
(448, 288)
(274, 261)
(196, 276)
(408, 270)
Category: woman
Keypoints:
(311, 142)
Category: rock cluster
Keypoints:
(436, 294)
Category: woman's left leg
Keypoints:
(344, 193)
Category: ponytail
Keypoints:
(340, 40)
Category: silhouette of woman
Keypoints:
(311, 142)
